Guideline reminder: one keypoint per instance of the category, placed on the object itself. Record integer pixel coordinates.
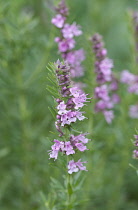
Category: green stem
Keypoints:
(69, 189)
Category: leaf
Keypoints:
(52, 112)
(54, 94)
(70, 190)
(56, 183)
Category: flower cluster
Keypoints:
(71, 100)
(108, 84)
(66, 42)
(69, 147)
(131, 81)
(135, 152)
(68, 109)
(76, 166)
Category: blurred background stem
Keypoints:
(25, 140)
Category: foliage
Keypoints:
(26, 47)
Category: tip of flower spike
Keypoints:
(96, 37)
(62, 8)
(57, 62)
(62, 65)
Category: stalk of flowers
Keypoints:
(131, 80)
(66, 42)
(135, 152)
(71, 100)
(105, 92)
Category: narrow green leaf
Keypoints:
(70, 190)
(52, 112)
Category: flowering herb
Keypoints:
(107, 83)
(66, 42)
(68, 111)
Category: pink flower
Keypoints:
(71, 116)
(75, 91)
(81, 147)
(80, 116)
(79, 97)
(109, 116)
(72, 167)
(69, 31)
(66, 44)
(105, 66)
(59, 145)
(102, 92)
(62, 108)
(68, 118)
(127, 77)
(79, 101)
(76, 29)
(76, 166)
(68, 148)
(80, 138)
(80, 165)
(57, 39)
(58, 20)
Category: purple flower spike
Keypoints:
(107, 83)
(62, 9)
(66, 41)
(131, 81)
(71, 100)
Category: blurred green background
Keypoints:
(26, 47)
